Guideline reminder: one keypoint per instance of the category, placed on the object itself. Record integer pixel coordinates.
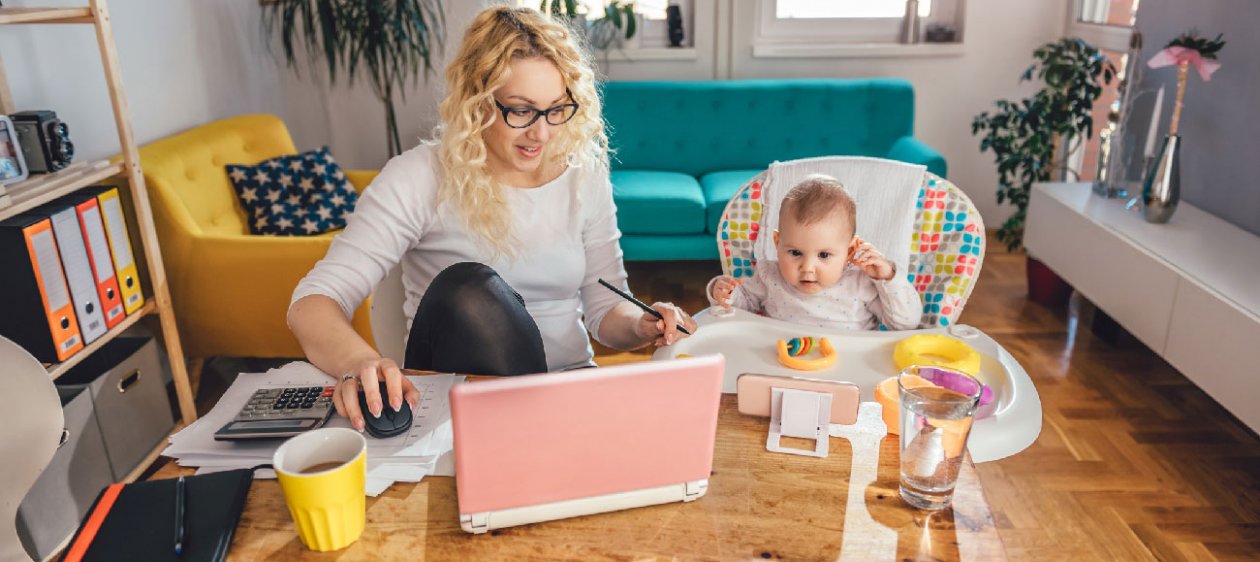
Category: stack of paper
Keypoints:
(425, 449)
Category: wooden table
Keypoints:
(760, 505)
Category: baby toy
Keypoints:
(938, 351)
(791, 352)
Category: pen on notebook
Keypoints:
(179, 515)
(640, 304)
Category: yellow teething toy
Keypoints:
(790, 352)
(936, 350)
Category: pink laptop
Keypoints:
(556, 445)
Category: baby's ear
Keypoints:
(776, 236)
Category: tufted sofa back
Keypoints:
(701, 127)
(186, 177)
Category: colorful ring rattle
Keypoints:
(936, 350)
(791, 351)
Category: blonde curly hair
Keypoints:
(495, 38)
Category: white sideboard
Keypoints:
(1188, 289)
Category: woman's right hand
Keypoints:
(367, 374)
(723, 288)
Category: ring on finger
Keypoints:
(350, 377)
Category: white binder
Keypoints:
(78, 270)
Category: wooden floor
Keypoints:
(1133, 463)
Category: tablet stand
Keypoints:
(799, 413)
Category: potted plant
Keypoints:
(1030, 138)
(388, 40)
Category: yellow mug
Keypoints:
(323, 473)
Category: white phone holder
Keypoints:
(799, 413)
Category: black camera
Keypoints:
(44, 139)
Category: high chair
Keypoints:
(946, 250)
(944, 258)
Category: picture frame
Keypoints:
(12, 164)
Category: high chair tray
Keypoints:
(866, 357)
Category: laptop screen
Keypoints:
(537, 439)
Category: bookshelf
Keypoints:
(40, 189)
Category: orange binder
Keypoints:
(120, 246)
(38, 314)
(97, 243)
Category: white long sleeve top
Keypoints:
(855, 302)
(568, 234)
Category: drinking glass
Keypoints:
(935, 422)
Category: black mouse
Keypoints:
(390, 423)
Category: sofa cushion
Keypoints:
(652, 202)
(299, 194)
(718, 188)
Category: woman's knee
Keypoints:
(468, 279)
(464, 274)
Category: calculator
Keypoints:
(279, 412)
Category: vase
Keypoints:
(674, 23)
(910, 23)
(1161, 190)
(1109, 146)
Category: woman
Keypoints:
(503, 226)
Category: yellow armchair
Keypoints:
(230, 289)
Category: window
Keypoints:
(594, 9)
(652, 30)
(794, 22)
(833, 9)
(1107, 25)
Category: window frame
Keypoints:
(770, 29)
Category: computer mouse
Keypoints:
(391, 422)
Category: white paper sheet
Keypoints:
(424, 449)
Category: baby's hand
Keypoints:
(873, 263)
(723, 288)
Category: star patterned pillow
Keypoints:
(295, 195)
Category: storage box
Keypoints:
(64, 492)
(126, 380)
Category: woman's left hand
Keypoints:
(665, 331)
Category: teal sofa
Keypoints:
(682, 149)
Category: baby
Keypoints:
(826, 276)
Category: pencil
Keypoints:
(640, 304)
(179, 515)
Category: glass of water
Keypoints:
(937, 407)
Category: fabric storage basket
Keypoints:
(126, 380)
(65, 491)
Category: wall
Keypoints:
(1219, 119)
(183, 63)
(187, 62)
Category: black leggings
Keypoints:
(470, 321)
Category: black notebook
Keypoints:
(130, 522)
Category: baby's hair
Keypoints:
(818, 197)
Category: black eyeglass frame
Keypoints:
(538, 112)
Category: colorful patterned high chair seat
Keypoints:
(946, 251)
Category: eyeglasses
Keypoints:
(522, 116)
